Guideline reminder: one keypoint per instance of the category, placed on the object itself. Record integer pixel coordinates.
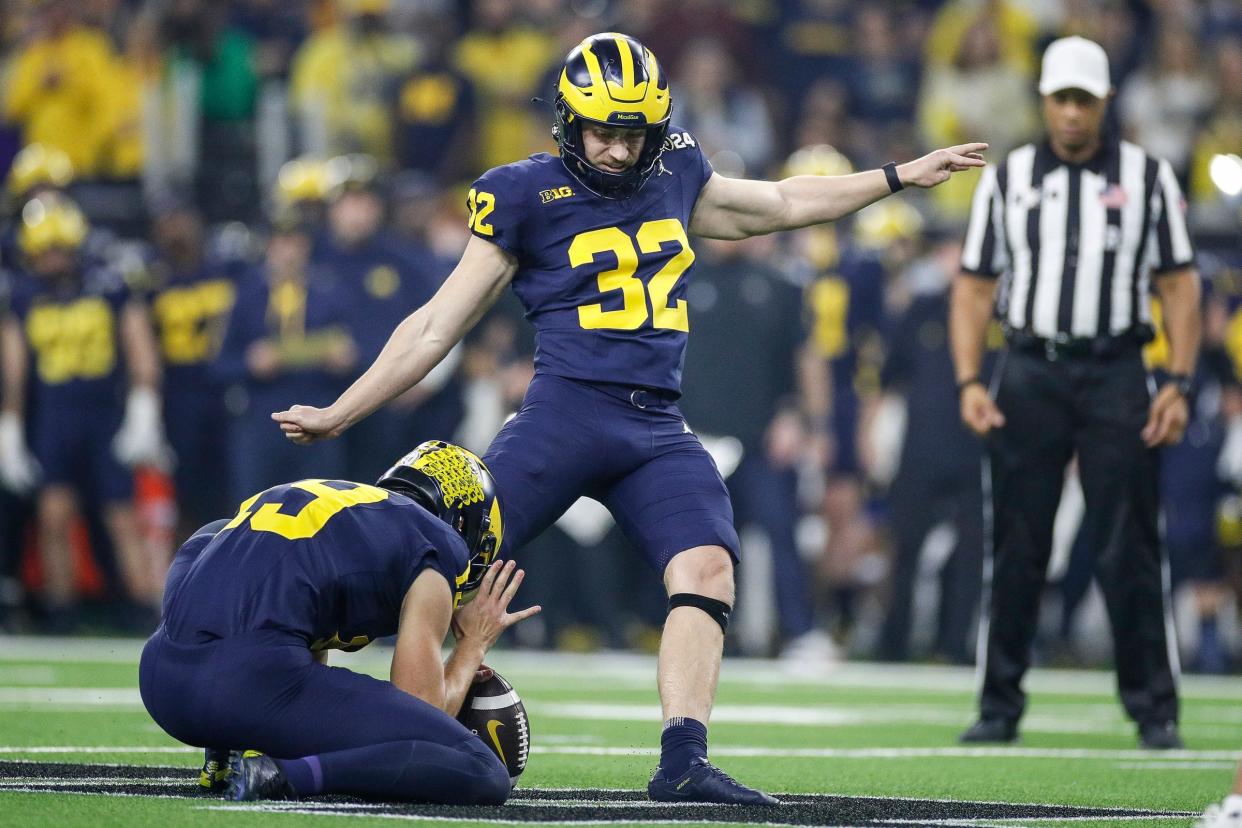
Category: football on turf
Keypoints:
(493, 711)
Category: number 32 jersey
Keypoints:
(602, 280)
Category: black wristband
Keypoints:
(894, 180)
(1184, 383)
(961, 386)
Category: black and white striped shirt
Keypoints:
(1077, 243)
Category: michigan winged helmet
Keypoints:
(455, 486)
(612, 80)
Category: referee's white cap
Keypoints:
(1075, 63)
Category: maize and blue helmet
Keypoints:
(612, 80)
(51, 222)
(455, 486)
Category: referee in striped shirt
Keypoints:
(1067, 239)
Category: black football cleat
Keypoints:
(1160, 736)
(990, 732)
(256, 777)
(214, 777)
(704, 782)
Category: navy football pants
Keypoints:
(574, 438)
(360, 735)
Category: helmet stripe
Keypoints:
(653, 70)
(627, 61)
(593, 68)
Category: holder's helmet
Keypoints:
(455, 486)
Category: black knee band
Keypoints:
(718, 610)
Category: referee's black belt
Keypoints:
(1074, 347)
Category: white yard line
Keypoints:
(51, 750)
(1074, 719)
(71, 697)
(910, 753)
(1189, 765)
(829, 716)
(1019, 822)
(1137, 756)
(102, 781)
(28, 674)
(629, 669)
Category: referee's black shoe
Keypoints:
(990, 732)
(1160, 736)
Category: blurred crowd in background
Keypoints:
(213, 210)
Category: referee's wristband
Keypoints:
(962, 385)
(1184, 383)
(894, 180)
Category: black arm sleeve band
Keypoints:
(718, 610)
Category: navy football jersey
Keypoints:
(190, 312)
(603, 281)
(326, 561)
(73, 332)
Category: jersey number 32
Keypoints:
(651, 238)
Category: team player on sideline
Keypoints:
(317, 565)
(595, 245)
(81, 370)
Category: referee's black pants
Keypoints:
(1093, 407)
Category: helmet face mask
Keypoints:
(611, 80)
(455, 486)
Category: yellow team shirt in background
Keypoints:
(57, 92)
(506, 68)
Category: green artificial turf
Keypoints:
(853, 730)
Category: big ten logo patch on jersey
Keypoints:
(453, 470)
(382, 281)
(552, 195)
(679, 140)
(72, 341)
